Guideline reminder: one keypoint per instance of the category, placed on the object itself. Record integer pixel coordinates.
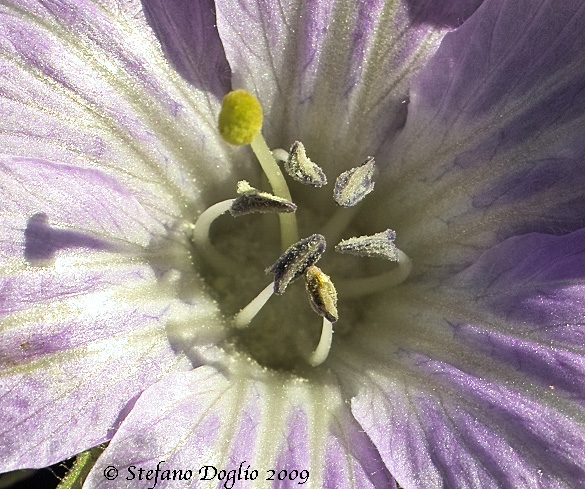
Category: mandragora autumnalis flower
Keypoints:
(431, 212)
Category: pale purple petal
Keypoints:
(86, 84)
(333, 75)
(493, 143)
(469, 432)
(205, 418)
(72, 333)
(73, 199)
(101, 142)
(478, 381)
(71, 366)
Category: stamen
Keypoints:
(322, 351)
(336, 226)
(379, 245)
(245, 316)
(295, 261)
(353, 185)
(359, 287)
(302, 169)
(252, 201)
(201, 240)
(322, 294)
(280, 154)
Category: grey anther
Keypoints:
(379, 245)
(322, 293)
(251, 200)
(353, 185)
(295, 261)
(302, 169)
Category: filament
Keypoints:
(201, 239)
(359, 287)
(245, 316)
(322, 351)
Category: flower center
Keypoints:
(283, 326)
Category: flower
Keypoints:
(468, 374)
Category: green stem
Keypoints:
(81, 467)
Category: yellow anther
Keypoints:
(322, 293)
(240, 119)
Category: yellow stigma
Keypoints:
(240, 119)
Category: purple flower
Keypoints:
(466, 372)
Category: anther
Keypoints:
(251, 200)
(322, 293)
(379, 245)
(240, 119)
(295, 261)
(302, 169)
(353, 185)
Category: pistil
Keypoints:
(289, 233)
(240, 124)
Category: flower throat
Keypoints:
(258, 327)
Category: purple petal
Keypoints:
(534, 286)
(468, 432)
(101, 143)
(493, 144)
(480, 381)
(200, 418)
(62, 205)
(452, 13)
(316, 63)
(191, 42)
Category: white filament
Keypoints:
(245, 316)
(280, 154)
(322, 351)
(359, 287)
(201, 239)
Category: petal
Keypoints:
(101, 144)
(533, 288)
(452, 13)
(480, 381)
(88, 307)
(76, 348)
(267, 422)
(329, 73)
(86, 84)
(468, 432)
(493, 143)
(191, 42)
(85, 200)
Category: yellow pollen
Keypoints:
(240, 119)
(322, 293)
